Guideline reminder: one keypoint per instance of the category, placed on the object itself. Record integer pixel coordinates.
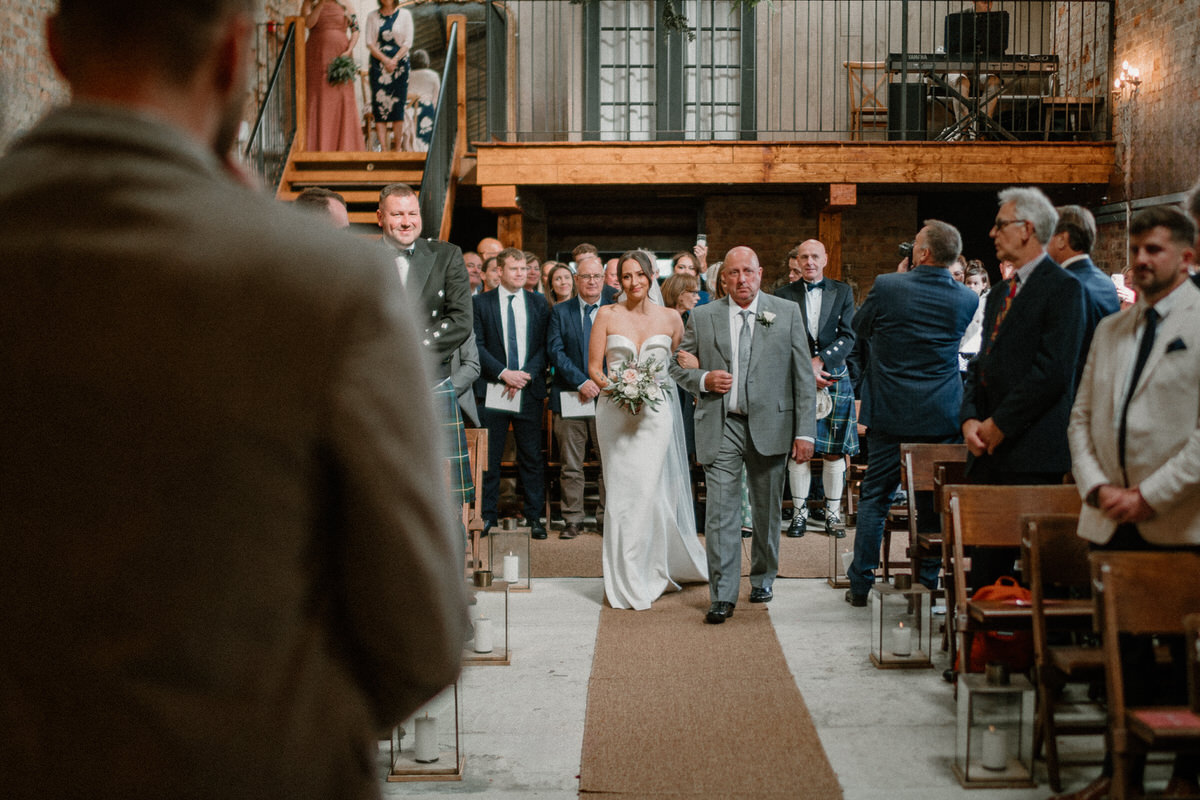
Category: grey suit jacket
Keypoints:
(226, 553)
(1162, 452)
(781, 389)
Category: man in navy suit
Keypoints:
(1018, 392)
(912, 323)
(510, 332)
(567, 349)
(827, 308)
(1070, 246)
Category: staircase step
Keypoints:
(302, 178)
(352, 196)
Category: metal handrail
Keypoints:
(436, 193)
(275, 124)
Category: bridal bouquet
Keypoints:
(635, 384)
(341, 70)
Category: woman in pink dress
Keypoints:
(333, 121)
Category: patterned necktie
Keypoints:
(743, 360)
(1139, 363)
(514, 359)
(1004, 307)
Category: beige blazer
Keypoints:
(1162, 452)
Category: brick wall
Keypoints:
(1161, 38)
(29, 84)
(774, 224)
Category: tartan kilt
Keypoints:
(837, 434)
(445, 402)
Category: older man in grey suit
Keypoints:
(757, 399)
(227, 557)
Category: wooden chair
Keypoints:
(1191, 631)
(477, 454)
(867, 96)
(1143, 593)
(990, 516)
(916, 475)
(1057, 560)
(946, 474)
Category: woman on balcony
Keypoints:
(389, 39)
(333, 122)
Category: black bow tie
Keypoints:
(808, 287)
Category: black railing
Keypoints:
(439, 160)
(274, 129)
(799, 70)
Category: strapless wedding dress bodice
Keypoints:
(650, 542)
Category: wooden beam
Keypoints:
(756, 163)
(501, 199)
(842, 195)
(509, 230)
(829, 232)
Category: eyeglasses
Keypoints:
(1001, 224)
(590, 277)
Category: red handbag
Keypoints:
(1014, 649)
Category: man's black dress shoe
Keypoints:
(536, 529)
(760, 595)
(718, 612)
(856, 600)
(796, 528)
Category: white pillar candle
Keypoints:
(512, 568)
(483, 635)
(902, 640)
(426, 739)
(995, 749)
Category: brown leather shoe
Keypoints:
(1096, 790)
(569, 532)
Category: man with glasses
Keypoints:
(1018, 393)
(573, 391)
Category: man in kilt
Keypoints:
(827, 307)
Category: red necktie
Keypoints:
(1004, 307)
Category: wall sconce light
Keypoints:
(1128, 82)
(1125, 91)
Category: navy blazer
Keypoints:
(566, 349)
(1099, 300)
(835, 330)
(909, 328)
(1025, 379)
(489, 338)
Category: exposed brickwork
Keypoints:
(1161, 38)
(29, 84)
(774, 224)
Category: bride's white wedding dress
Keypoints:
(650, 542)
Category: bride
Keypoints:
(650, 542)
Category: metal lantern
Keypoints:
(994, 743)
(901, 624)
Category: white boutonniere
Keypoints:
(766, 319)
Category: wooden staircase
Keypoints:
(357, 176)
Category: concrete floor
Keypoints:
(887, 733)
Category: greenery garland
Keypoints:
(677, 22)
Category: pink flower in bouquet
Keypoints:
(629, 376)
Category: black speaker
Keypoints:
(912, 127)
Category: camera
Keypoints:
(906, 250)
